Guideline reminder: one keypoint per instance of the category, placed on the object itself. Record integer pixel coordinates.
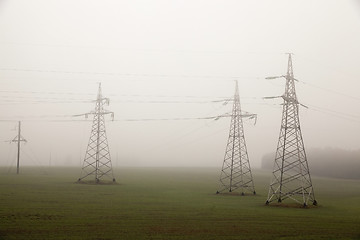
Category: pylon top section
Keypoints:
(290, 93)
(100, 102)
(290, 67)
(19, 137)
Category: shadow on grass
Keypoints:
(291, 205)
(236, 194)
(97, 183)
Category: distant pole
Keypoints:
(18, 153)
(18, 139)
(50, 160)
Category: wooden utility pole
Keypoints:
(18, 139)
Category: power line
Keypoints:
(142, 50)
(40, 118)
(128, 74)
(17, 102)
(169, 119)
(38, 92)
(122, 120)
(193, 130)
(14, 102)
(333, 111)
(316, 86)
(12, 97)
(345, 116)
(139, 101)
(112, 95)
(336, 114)
(329, 90)
(15, 99)
(28, 100)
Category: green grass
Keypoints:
(165, 203)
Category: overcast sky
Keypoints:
(172, 59)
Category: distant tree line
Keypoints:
(327, 162)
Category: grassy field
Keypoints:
(166, 203)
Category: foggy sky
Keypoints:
(54, 52)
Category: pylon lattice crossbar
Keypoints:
(291, 176)
(236, 173)
(97, 162)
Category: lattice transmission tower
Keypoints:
(291, 176)
(97, 165)
(236, 173)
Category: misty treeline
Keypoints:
(327, 162)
